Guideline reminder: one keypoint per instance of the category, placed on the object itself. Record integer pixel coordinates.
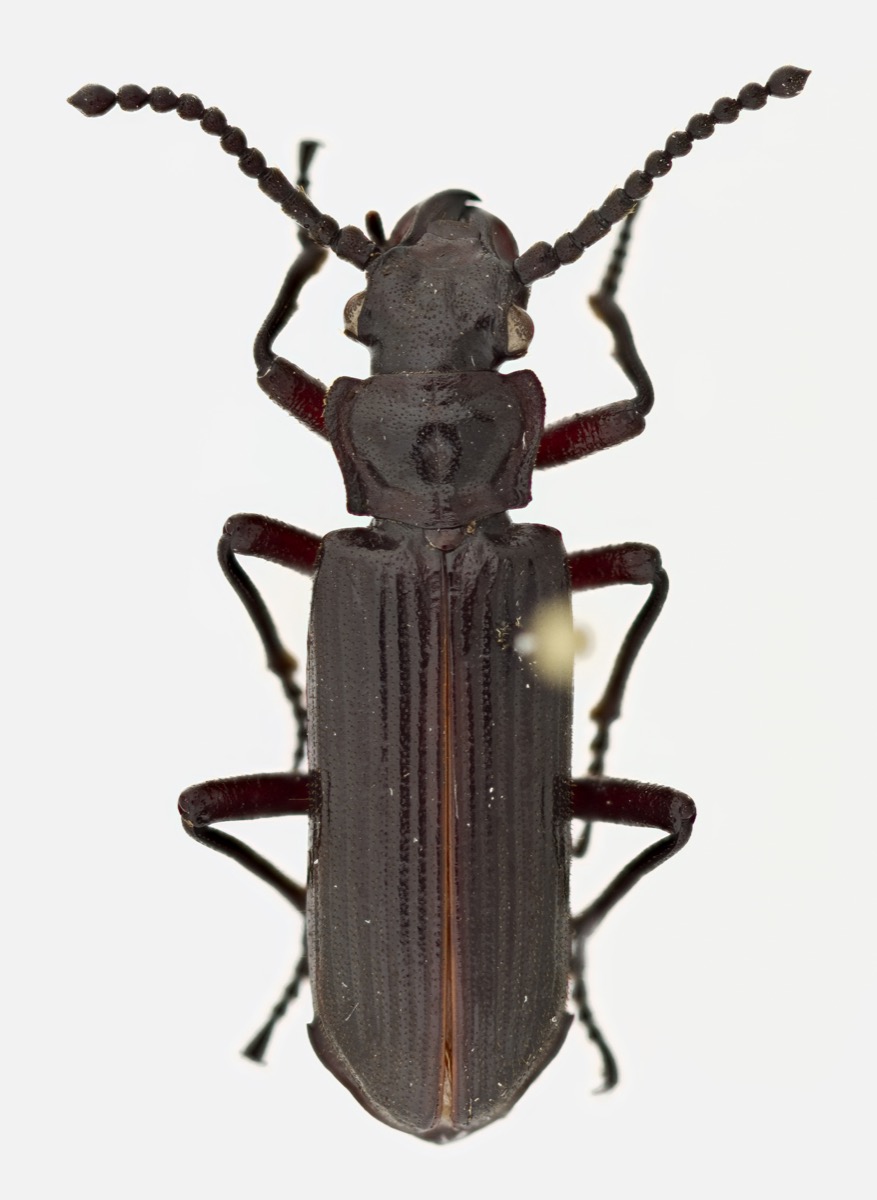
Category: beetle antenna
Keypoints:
(349, 243)
(255, 1050)
(543, 259)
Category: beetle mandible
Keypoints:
(440, 945)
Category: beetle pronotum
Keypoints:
(440, 945)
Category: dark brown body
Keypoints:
(438, 908)
(439, 938)
(438, 900)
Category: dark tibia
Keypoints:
(242, 798)
(586, 433)
(288, 385)
(628, 802)
(622, 802)
(630, 562)
(262, 537)
(583, 1012)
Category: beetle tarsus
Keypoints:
(610, 280)
(599, 746)
(256, 1049)
(584, 1014)
(608, 708)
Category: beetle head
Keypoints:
(443, 294)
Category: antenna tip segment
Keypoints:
(93, 100)
(786, 82)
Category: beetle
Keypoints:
(439, 941)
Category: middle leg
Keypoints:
(629, 562)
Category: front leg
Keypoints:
(287, 384)
(588, 432)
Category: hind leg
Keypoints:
(622, 802)
(248, 797)
(239, 799)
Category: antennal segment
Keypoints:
(349, 243)
(543, 259)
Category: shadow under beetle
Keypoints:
(439, 940)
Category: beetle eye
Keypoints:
(352, 309)
(520, 331)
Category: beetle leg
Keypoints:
(622, 802)
(286, 384)
(242, 798)
(628, 802)
(584, 1014)
(255, 1049)
(586, 433)
(263, 537)
(629, 562)
(238, 799)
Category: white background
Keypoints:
(736, 984)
